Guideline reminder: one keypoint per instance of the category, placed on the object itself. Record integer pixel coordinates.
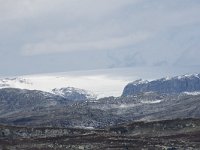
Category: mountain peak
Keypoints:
(74, 93)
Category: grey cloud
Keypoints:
(64, 35)
(82, 45)
(111, 32)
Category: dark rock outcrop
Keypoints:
(185, 83)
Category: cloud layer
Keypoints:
(67, 35)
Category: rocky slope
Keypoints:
(105, 112)
(185, 83)
(169, 134)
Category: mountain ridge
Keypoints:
(178, 84)
(38, 108)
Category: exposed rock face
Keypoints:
(186, 83)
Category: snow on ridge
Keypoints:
(151, 102)
(192, 93)
(69, 90)
(181, 77)
(139, 81)
(18, 82)
(188, 76)
(27, 83)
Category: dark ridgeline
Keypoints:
(186, 83)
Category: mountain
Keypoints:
(102, 113)
(16, 100)
(178, 84)
(71, 107)
(100, 85)
(74, 94)
(40, 84)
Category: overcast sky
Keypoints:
(42, 36)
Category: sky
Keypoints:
(43, 36)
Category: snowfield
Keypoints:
(98, 85)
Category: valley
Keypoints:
(72, 118)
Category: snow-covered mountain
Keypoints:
(146, 100)
(178, 84)
(96, 84)
(47, 85)
(74, 93)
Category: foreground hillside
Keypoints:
(168, 134)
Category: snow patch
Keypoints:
(64, 92)
(192, 93)
(151, 102)
(139, 81)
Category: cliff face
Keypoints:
(186, 83)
